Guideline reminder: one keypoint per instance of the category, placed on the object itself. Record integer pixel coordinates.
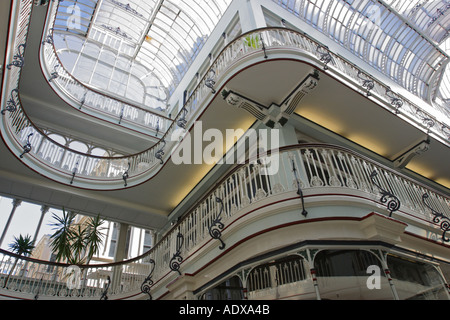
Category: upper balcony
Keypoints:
(269, 47)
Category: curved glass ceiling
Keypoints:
(429, 16)
(138, 49)
(385, 34)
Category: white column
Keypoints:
(16, 203)
(121, 243)
(120, 255)
(44, 210)
(251, 16)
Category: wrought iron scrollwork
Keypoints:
(157, 128)
(210, 82)
(299, 189)
(19, 58)
(396, 102)
(36, 296)
(369, 84)
(75, 169)
(148, 282)
(54, 75)
(11, 104)
(325, 55)
(121, 114)
(177, 258)
(49, 38)
(27, 147)
(426, 120)
(126, 175)
(181, 122)
(438, 218)
(105, 292)
(263, 46)
(217, 225)
(394, 203)
(83, 100)
(160, 153)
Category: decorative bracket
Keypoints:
(177, 258)
(292, 102)
(148, 282)
(439, 218)
(273, 114)
(418, 149)
(217, 225)
(393, 204)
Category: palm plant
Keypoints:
(61, 239)
(76, 243)
(94, 236)
(21, 246)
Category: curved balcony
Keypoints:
(307, 180)
(89, 100)
(72, 167)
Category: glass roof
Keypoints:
(139, 49)
(430, 16)
(397, 37)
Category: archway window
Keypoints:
(230, 289)
(282, 271)
(416, 280)
(344, 263)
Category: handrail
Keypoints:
(109, 172)
(84, 96)
(314, 169)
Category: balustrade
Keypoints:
(321, 169)
(87, 98)
(109, 172)
(312, 168)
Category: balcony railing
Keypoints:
(82, 97)
(74, 167)
(303, 172)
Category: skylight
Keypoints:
(399, 38)
(139, 49)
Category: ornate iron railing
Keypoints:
(77, 168)
(321, 170)
(82, 97)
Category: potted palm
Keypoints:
(22, 245)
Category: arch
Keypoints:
(230, 289)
